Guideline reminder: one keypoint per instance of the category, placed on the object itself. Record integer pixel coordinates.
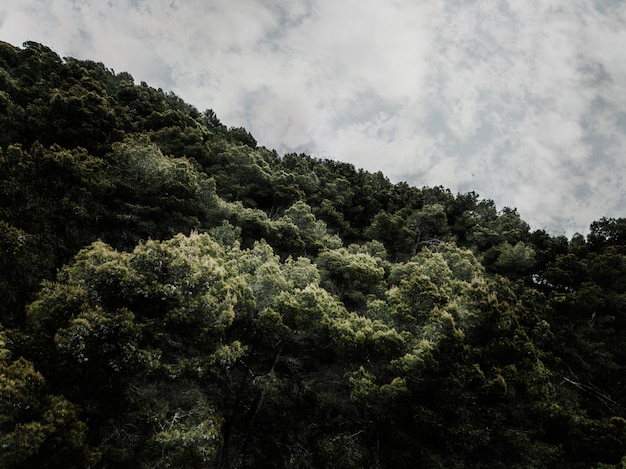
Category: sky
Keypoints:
(521, 101)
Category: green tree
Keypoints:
(476, 384)
(37, 429)
(116, 325)
(151, 195)
(515, 261)
(351, 276)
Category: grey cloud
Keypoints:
(608, 7)
(523, 102)
(583, 192)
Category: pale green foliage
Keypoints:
(141, 164)
(186, 437)
(268, 282)
(301, 272)
(441, 325)
(519, 258)
(347, 273)
(188, 277)
(312, 231)
(413, 300)
(462, 262)
(261, 271)
(20, 385)
(363, 384)
(374, 248)
(226, 234)
(310, 308)
(300, 215)
(97, 334)
(433, 281)
(249, 260)
(267, 277)
(359, 335)
(161, 311)
(414, 363)
(431, 265)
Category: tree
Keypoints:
(515, 261)
(175, 295)
(154, 196)
(470, 372)
(37, 429)
(352, 276)
(116, 324)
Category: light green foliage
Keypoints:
(461, 262)
(363, 385)
(95, 336)
(420, 285)
(414, 299)
(310, 308)
(185, 279)
(301, 272)
(187, 436)
(313, 232)
(435, 267)
(351, 276)
(159, 311)
(267, 284)
(517, 259)
(466, 355)
(360, 336)
(300, 215)
(262, 273)
(226, 234)
(374, 248)
(249, 260)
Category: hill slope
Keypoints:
(175, 295)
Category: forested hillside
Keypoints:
(174, 295)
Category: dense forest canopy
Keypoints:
(174, 295)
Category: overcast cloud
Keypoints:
(522, 101)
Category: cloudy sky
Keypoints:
(522, 101)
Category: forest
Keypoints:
(175, 295)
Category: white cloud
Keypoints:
(524, 102)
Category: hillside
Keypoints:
(174, 295)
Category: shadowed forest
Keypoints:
(174, 295)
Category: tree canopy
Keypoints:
(175, 295)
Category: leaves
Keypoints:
(176, 295)
(35, 426)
